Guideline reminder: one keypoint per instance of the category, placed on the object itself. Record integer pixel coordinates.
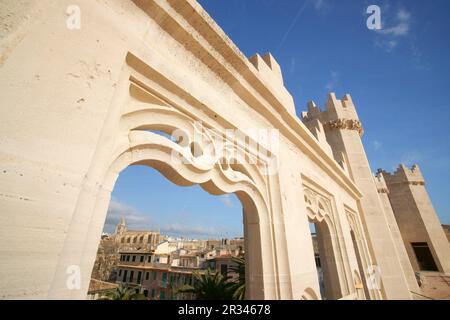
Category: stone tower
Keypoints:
(120, 228)
(424, 239)
(343, 132)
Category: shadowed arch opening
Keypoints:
(325, 258)
(156, 154)
(362, 283)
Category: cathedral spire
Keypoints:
(121, 228)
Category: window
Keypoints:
(122, 240)
(128, 240)
(141, 239)
(131, 276)
(128, 258)
(223, 269)
(147, 275)
(153, 293)
(424, 257)
(162, 295)
(124, 279)
(120, 272)
(154, 275)
(142, 259)
(317, 258)
(146, 293)
(149, 258)
(134, 258)
(139, 277)
(134, 239)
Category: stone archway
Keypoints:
(328, 258)
(112, 102)
(152, 133)
(362, 257)
(319, 213)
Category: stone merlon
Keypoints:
(403, 174)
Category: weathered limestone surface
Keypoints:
(79, 106)
(415, 215)
(343, 132)
(383, 194)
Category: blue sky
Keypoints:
(398, 78)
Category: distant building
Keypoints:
(98, 288)
(159, 273)
(223, 265)
(155, 275)
(133, 239)
(446, 228)
(108, 250)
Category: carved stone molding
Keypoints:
(347, 124)
(409, 182)
(383, 190)
(318, 205)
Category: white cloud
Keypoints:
(137, 220)
(333, 81)
(226, 200)
(321, 5)
(387, 45)
(377, 145)
(419, 61)
(403, 15)
(318, 4)
(133, 217)
(400, 27)
(402, 24)
(293, 65)
(183, 230)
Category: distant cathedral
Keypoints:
(134, 239)
(122, 240)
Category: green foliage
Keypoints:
(214, 286)
(238, 286)
(123, 292)
(209, 286)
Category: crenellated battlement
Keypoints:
(403, 174)
(313, 112)
(316, 128)
(270, 73)
(380, 183)
(267, 62)
(341, 108)
(338, 114)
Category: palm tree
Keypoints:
(122, 292)
(238, 284)
(209, 286)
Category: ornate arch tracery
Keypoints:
(158, 134)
